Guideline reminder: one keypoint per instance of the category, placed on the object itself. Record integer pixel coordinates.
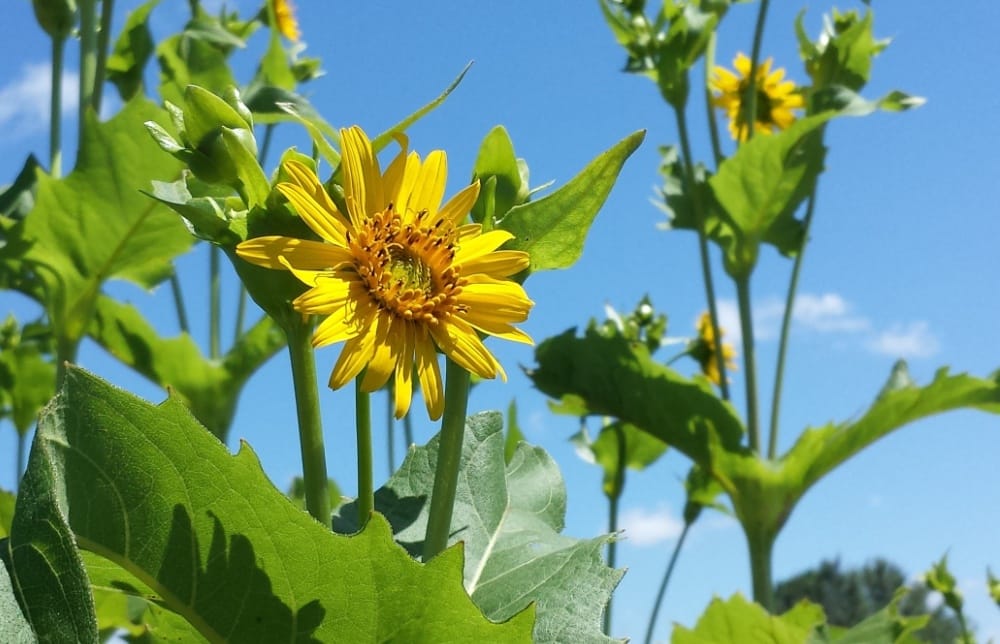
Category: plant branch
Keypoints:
(749, 360)
(314, 475)
(363, 422)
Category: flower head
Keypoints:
(399, 275)
(705, 350)
(284, 15)
(775, 98)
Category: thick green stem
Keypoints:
(214, 307)
(88, 63)
(761, 546)
(317, 488)
(613, 499)
(713, 125)
(786, 325)
(456, 399)
(691, 188)
(749, 361)
(661, 593)
(55, 109)
(103, 38)
(750, 99)
(408, 430)
(363, 422)
(66, 349)
(175, 289)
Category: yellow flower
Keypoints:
(776, 98)
(400, 274)
(706, 348)
(284, 14)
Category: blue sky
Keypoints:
(903, 263)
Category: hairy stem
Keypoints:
(456, 399)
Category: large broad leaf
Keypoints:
(509, 517)
(14, 628)
(610, 376)
(552, 229)
(210, 388)
(95, 225)
(150, 490)
(819, 450)
(759, 188)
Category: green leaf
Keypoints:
(509, 517)
(843, 53)
(514, 435)
(7, 500)
(887, 626)
(940, 579)
(27, 377)
(820, 450)
(95, 225)
(17, 199)
(496, 160)
(619, 443)
(993, 586)
(152, 491)
(609, 376)
(738, 621)
(133, 49)
(197, 56)
(206, 217)
(849, 103)
(762, 184)
(552, 229)
(271, 104)
(14, 628)
(210, 388)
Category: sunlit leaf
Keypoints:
(150, 490)
(496, 160)
(28, 378)
(7, 500)
(619, 444)
(552, 229)
(738, 621)
(509, 517)
(127, 61)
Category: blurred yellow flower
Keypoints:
(776, 98)
(399, 275)
(706, 348)
(284, 14)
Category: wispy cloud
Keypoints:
(830, 313)
(24, 102)
(645, 527)
(913, 340)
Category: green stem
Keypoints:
(456, 400)
(300, 351)
(749, 361)
(214, 293)
(390, 426)
(706, 267)
(786, 325)
(363, 420)
(103, 38)
(761, 547)
(661, 593)
(751, 100)
(265, 146)
(613, 499)
(408, 430)
(22, 444)
(88, 63)
(66, 349)
(713, 125)
(55, 109)
(175, 288)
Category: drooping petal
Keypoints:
(403, 387)
(328, 225)
(503, 330)
(357, 351)
(384, 360)
(460, 342)
(429, 374)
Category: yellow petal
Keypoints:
(478, 246)
(500, 263)
(429, 374)
(357, 351)
(301, 253)
(328, 225)
(458, 207)
(302, 175)
(429, 187)
(503, 330)
(338, 326)
(383, 361)
(403, 386)
(362, 176)
(328, 296)
(395, 173)
(460, 342)
(401, 197)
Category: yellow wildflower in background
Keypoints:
(400, 274)
(706, 348)
(284, 14)
(776, 98)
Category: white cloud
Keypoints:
(649, 527)
(913, 340)
(24, 102)
(827, 313)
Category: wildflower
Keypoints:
(705, 349)
(776, 98)
(399, 275)
(284, 14)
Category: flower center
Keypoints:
(763, 105)
(407, 268)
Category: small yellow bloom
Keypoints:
(399, 275)
(706, 348)
(284, 14)
(776, 98)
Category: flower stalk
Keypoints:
(749, 360)
(363, 423)
(662, 591)
(456, 399)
